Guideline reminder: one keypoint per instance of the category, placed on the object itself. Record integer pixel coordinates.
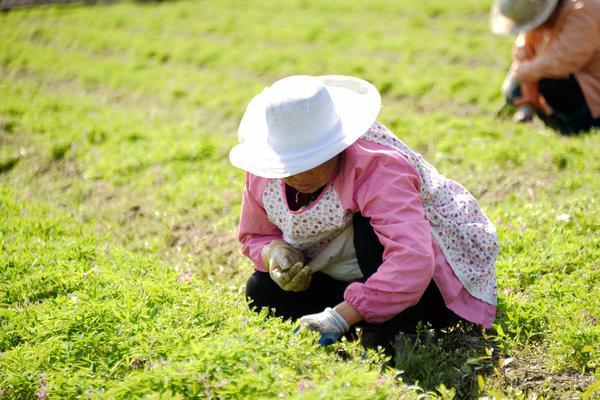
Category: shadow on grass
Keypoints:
(7, 165)
(458, 359)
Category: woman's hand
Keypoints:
(294, 279)
(329, 323)
(281, 255)
(530, 95)
(286, 266)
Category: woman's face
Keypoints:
(310, 181)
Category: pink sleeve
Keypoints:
(255, 229)
(387, 191)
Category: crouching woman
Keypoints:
(347, 226)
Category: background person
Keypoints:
(346, 225)
(555, 71)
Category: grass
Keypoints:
(103, 323)
(115, 125)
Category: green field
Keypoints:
(120, 274)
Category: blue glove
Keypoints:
(328, 323)
(329, 338)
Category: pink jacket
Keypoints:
(383, 185)
(569, 43)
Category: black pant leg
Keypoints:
(571, 112)
(369, 251)
(431, 308)
(563, 95)
(263, 292)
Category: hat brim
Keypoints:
(501, 25)
(357, 102)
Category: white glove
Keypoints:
(286, 266)
(329, 323)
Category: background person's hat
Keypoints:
(302, 121)
(515, 16)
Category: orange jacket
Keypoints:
(568, 43)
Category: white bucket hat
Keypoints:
(515, 16)
(302, 121)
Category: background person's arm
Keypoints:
(568, 52)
